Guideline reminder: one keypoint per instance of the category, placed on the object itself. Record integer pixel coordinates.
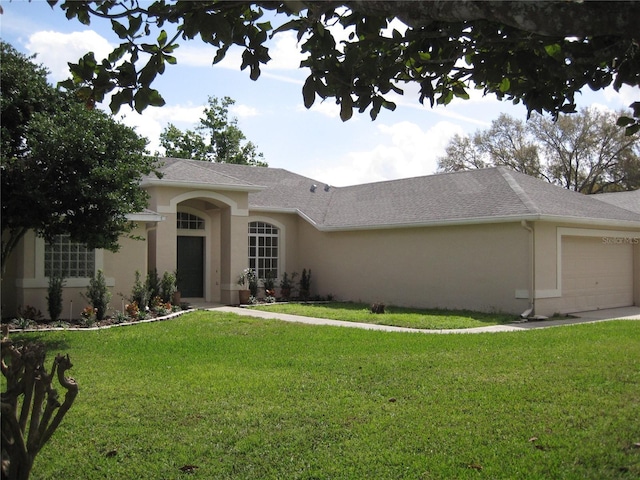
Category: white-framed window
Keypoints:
(189, 221)
(264, 249)
(68, 259)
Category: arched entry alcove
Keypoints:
(195, 240)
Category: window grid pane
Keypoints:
(263, 251)
(187, 221)
(68, 259)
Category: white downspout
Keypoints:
(532, 271)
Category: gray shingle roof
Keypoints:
(488, 195)
(627, 200)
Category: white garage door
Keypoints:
(596, 274)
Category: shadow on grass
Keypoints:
(401, 316)
(52, 346)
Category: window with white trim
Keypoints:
(264, 248)
(188, 221)
(68, 259)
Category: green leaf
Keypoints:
(119, 29)
(134, 24)
(554, 50)
(632, 130)
(120, 98)
(505, 84)
(309, 92)
(162, 38)
(346, 108)
(624, 121)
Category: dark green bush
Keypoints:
(98, 295)
(54, 297)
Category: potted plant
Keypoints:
(286, 284)
(249, 280)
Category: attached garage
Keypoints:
(597, 272)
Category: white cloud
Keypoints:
(328, 108)
(405, 151)
(55, 49)
(244, 111)
(285, 52)
(623, 98)
(202, 55)
(153, 120)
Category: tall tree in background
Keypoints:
(217, 138)
(539, 53)
(66, 169)
(584, 152)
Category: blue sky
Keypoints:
(315, 143)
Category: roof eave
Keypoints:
(458, 222)
(488, 220)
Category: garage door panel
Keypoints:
(596, 274)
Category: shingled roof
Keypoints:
(627, 200)
(477, 196)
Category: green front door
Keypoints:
(191, 266)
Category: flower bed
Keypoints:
(22, 325)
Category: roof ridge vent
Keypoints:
(518, 190)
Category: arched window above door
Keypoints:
(188, 221)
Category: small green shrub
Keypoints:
(153, 283)
(54, 297)
(269, 281)
(140, 293)
(98, 295)
(168, 286)
(305, 283)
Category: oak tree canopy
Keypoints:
(65, 169)
(539, 53)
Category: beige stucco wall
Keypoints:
(479, 267)
(24, 285)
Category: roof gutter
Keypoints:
(600, 222)
(489, 220)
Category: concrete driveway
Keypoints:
(626, 313)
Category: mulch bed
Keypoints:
(108, 322)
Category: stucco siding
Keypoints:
(122, 265)
(27, 285)
(477, 267)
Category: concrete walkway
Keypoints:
(626, 313)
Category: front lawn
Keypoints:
(213, 395)
(431, 319)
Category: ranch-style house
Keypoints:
(486, 240)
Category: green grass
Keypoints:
(431, 319)
(243, 398)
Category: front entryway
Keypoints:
(191, 266)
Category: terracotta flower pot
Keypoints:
(243, 296)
